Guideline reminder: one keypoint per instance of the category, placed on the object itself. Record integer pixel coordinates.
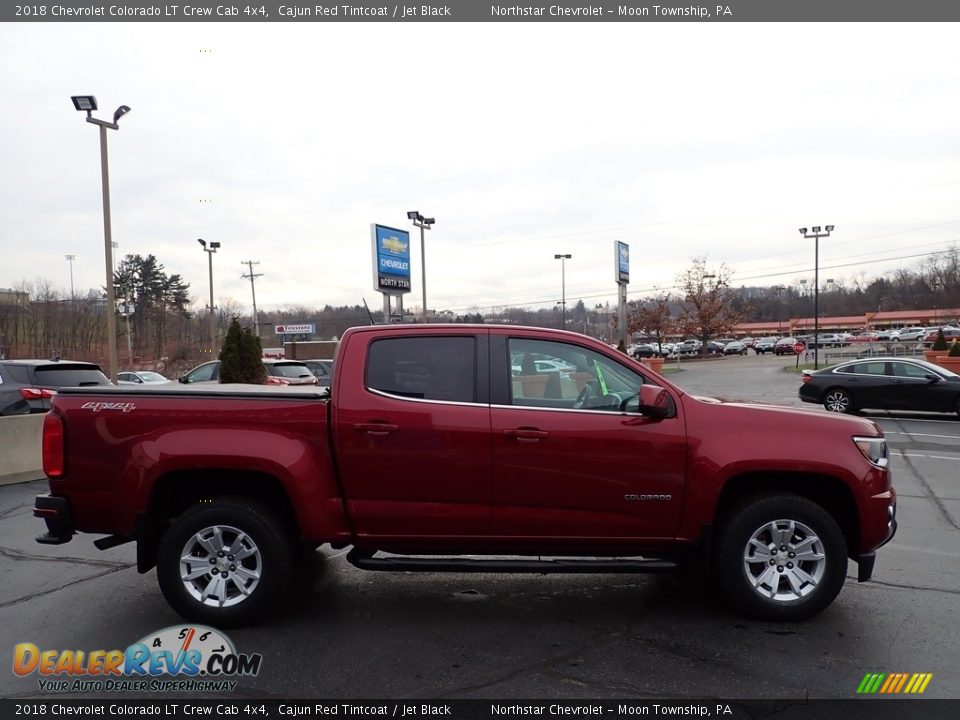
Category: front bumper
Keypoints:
(55, 512)
(867, 560)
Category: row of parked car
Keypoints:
(26, 386)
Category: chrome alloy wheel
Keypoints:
(784, 560)
(220, 566)
(837, 401)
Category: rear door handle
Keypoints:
(526, 434)
(376, 428)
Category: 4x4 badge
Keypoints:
(98, 406)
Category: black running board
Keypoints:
(469, 565)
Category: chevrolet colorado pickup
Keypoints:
(439, 442)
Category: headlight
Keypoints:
(874, 449)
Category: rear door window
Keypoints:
(428, 368)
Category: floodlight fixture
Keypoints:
(120, 112)
(214, 245)
(816, 228)
(202, 242)
(414, 215)
(803, 231)
(84, 103)
(829, 228)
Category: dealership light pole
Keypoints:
(88, 103)
(816, 234)
(563, 287)
(423, 223)
(70, 259)
(210, 250)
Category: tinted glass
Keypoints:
(77, 376)
(288, 370)
(432, 368)
(870, 368)
(909, 370)
(152, 376)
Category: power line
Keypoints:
(253, 290)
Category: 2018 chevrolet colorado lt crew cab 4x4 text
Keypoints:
(429, 448)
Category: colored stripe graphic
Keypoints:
(894, 683)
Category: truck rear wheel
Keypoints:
(225, 562)
(781, 557)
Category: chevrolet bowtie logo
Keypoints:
(394, 244)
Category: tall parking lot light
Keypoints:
(210, 249)
(424, 223)
(563, 287)
(816, 234)
(87, 104)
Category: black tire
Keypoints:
(838, 400)
(750, 585)
(272, 561)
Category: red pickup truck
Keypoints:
(437, 442)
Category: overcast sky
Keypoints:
(284, 142)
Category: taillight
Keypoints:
(805, 378)
(36, 393)
(53, 442)
(271, 380)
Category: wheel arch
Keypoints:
(829, 492)
(178, 490)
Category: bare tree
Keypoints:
(651, 316)
(709, 307)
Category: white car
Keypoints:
(911, 334)
(140, 377)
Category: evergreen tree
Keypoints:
(251, 358)
(231, 356)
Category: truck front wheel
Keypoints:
(225, 562)
(781, 557)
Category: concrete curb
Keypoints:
(20, 438)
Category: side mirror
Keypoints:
(183, 379)
(652, 401)
(933, 378)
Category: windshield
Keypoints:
(152, 377)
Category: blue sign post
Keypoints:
(621, 253)
(391, 265)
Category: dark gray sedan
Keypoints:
(883, 384)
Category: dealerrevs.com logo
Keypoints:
(894, 683)
(177, 658)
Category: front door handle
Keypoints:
(376, 428)
(526, 434)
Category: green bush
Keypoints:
(941, 342)
(954, 350)
(241, 360)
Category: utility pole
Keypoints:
(253, 290)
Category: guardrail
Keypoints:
(873, 349)
(20, 448)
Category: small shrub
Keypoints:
(941, 342)
(954, 350)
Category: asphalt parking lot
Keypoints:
(355, 634)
